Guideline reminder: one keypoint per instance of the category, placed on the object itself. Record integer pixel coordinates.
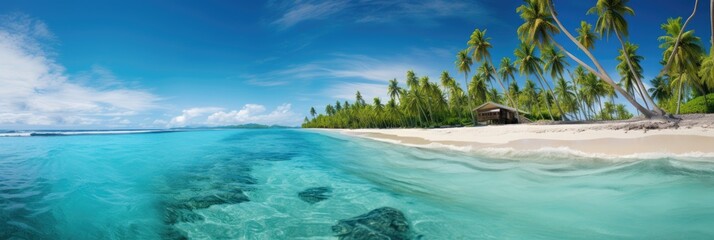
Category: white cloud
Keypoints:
(37, 91)
(189, 114)
(250, 113)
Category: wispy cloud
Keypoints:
(347, 91)
(37, 91)
(250, 113)
(377, 11)
(307, 10)
(341, 67)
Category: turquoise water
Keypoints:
(133, 186)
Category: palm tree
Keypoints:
(413, 84)
(486, 71)
(586, 37)
(359, 101)
(630, 76)
(577, 78)
(611, 19)
(706, 72)
(478, 89)
(538, 24)
(593, 89)
(329, 110)
(566, 95)
(528, 63)
(426, 90)
(338, 106)
(514, 91)
(446, 81)
(554, 61)
(463, 64)
(393, 89)
(555, 64)
(493, 95)
(507, 71)
(378, 108)
(313, 112)
(660, 89)
(685, 57)
(480, 45)
(529, 95)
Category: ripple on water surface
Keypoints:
(292, 184)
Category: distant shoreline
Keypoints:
(692, 137)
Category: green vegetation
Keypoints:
(586, 92)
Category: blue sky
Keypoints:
(155, 64)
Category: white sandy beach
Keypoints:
(694, 135)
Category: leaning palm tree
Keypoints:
(555, 64)
(529, 64)
(463, 64)
(539, 16)
(313, 112)
(611, 19)
(480, 45)
(630, 76)
(686, 50)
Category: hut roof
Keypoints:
(492, 105)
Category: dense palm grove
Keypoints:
(553, 88)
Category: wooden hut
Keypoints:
(494, 113)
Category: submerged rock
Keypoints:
(175, 215)
(382, 223)
(202, 202)
(314, 195)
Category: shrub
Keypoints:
(697, 105)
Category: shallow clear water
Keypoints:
(133, 187)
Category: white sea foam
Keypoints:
(556, 153)
(73, 133)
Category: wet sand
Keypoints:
(598, 139)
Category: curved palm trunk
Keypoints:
(420, 108)
(679, 95)
(602, 114)
(676, 43)
(468, 95)
(550, 112)
(555, 98)
(498, 78)
(640, 85)
(577, 94)
(601, 71)
(646, 112)
(431, 114)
